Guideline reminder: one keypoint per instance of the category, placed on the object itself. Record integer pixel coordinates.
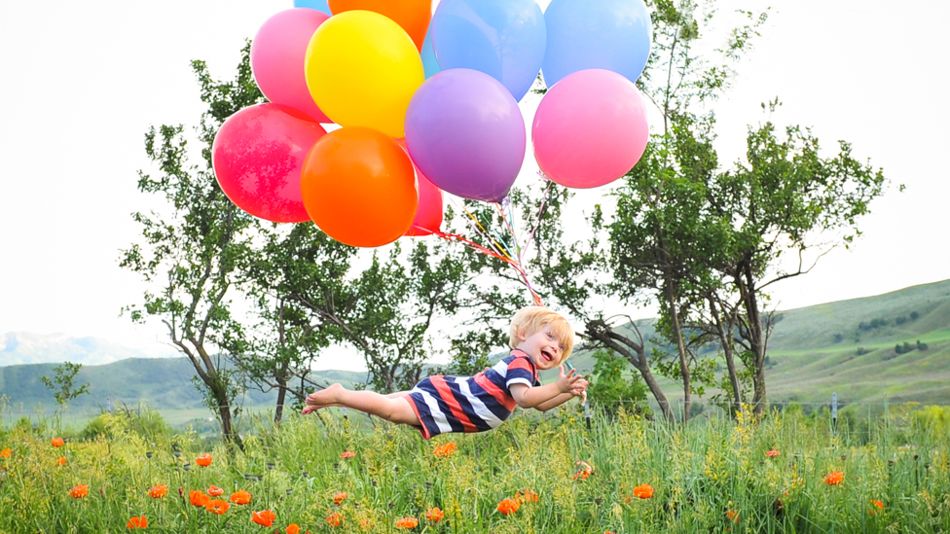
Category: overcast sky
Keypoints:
(82, 81)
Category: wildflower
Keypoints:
(264, 518)
(643, 491)
(339, 497)
(876, 503)
(57, 442)
(434, 515)
(62, 461)
(198, 498)
(158, 491)
(241, 497)
(217, 506)
(79, 491)
(293, 528)
(585, 470)
(508, 506)
(733, 516)
(334, 520)
(346, 455)
(772, 453)
(366, 524)
(526, 495)
(6, 453)
(407, 523)
(445, 450)
(203, 460)
(137, 522)
(215, 491)
(834, 478)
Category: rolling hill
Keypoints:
(893, 347)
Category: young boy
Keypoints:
(540, 339)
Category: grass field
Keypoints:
(625, 474)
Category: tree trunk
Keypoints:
(281, 398)
(224, 412)
(680, 346)
(725, 340)
(745, 282)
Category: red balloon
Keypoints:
(359, 187)
(429, 214)
(258, 154)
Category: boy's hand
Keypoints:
(571, 382)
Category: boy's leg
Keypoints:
(394, 409)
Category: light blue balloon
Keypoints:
(596, 34)
(319, 5)
(502, 38)
(429, 63)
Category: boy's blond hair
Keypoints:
(531, 319)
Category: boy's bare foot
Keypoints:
(322, 399)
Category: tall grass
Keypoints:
(707, 476)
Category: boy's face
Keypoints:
(543, 347)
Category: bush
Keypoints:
(609, 388)
(143, 421)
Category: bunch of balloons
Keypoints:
(428, 104)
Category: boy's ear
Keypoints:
(520, 334)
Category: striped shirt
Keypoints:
(471, 403)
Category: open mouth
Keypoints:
(547, 356)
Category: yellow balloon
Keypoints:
(362, 70)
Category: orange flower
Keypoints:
(643, 491)
(834, 478)
(508, 506)
(215, 491)
(346, 455)
(772, 453)
(62, 461)
(584, 472)
(57, 442)
(733, 516)
(137, 522)
(434, 515)
(876, 503)
(366, 524)
(407, 523)
(79, 491)
(339, 497)
(445, 450)
(264, 518)
(158, 491)
(334, 520)
(199, 498)
(241, 497)
(526, 495)
(293, 528)
(6, 453)
(203, 460)
(217, 506)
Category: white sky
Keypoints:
(82, 81)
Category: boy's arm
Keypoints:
(532, 397)
(555, 402)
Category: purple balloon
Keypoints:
(466, 134)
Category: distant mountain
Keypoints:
(18, 348)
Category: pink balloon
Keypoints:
(257, 156)
(590, 129)
(277, 59)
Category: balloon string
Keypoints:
(544, 203)
(493, 241)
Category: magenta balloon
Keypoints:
(465, 133)
(277, 59)
(257, 156)
(590, 129)
(429, 213)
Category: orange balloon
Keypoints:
(359, 187)
(412, 15)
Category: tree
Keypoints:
(190, 252)
(62, 384)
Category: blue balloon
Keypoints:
(502, 38)
(596, 34)
(429, 63)
(319, 5)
